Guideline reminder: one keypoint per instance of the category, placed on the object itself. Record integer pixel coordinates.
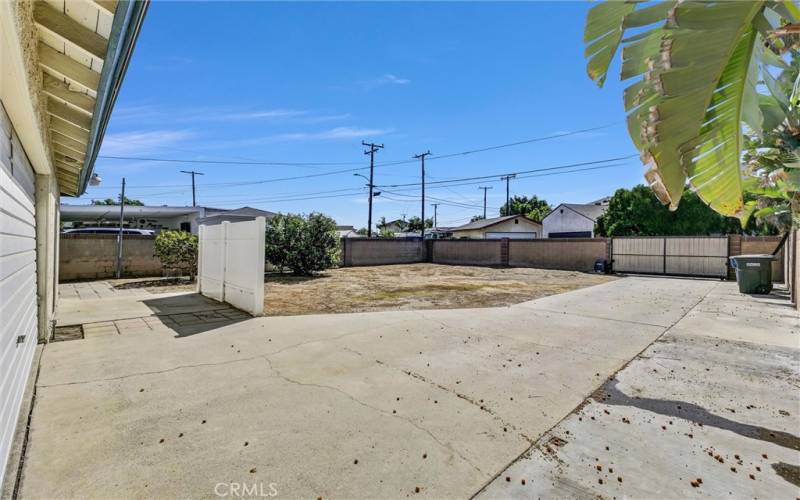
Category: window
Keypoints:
(186, 227)
(516, 221)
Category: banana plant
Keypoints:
(698, 67)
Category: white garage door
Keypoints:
(18, 313)
(527, 235)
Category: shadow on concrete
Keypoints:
(192, 313)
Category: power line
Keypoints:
(493, 176)
(387, 163)
(284, 197)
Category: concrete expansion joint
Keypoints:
(352, 398)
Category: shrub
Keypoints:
(177, 251)
(302, 244)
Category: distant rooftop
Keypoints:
(484, 223)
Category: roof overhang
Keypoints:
(73, 213)
(84, 48)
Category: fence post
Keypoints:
(223, 255)
(429, 250)
(504, 252)
(199, 284)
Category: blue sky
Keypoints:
(307, 82)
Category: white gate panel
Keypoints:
(680, 255)
(244, 265)
(638, 255)
(211, 261)
(231, 263)
(697, 256)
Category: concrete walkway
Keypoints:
(378, 405)
(709, 410)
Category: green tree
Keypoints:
(637, 212)
(177, 251)
(476, 218)
(415, 224)
(532, 207)
(112, 201)
(302, 244)
(697, 66)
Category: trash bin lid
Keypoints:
(754, 256)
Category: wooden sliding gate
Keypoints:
(677, 255)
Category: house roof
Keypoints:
(82, 212)
(484, 223)
(242, 212)
(591, 211)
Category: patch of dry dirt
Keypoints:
(416, 286)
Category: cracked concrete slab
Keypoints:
(436, 400)
(709, 410)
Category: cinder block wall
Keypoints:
(93, 256)
(376, 252)
(766, 244)
(468, 252)
(573, 254)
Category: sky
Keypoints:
(307, 82)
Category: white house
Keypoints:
(151, 217)
(60, 72)
(510, 226)
(573, 220)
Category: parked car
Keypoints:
(108, 230)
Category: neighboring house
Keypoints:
(438, 233)
(218, 216)
(149, 217)
(510, 226)
(573, 220)
(394, 226)
(55, 104)
(347, 232)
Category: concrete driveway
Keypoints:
(173, 403)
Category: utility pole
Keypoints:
(435, 215)
(485, 188)
(193, 173)
(373, 148)
(508, 178)
(119, 235)
(421, 157)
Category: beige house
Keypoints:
(511, 226)
(61, 67)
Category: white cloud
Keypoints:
(332, 134)
(268, 114)
(141, 142)
(390, 78)
(385, 79)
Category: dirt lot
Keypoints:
(406, 286)
(416, 286)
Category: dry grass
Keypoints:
(415, 286)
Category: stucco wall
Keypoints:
(565, 220)
(574, 254)
(92, 256)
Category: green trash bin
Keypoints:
(753, 272)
